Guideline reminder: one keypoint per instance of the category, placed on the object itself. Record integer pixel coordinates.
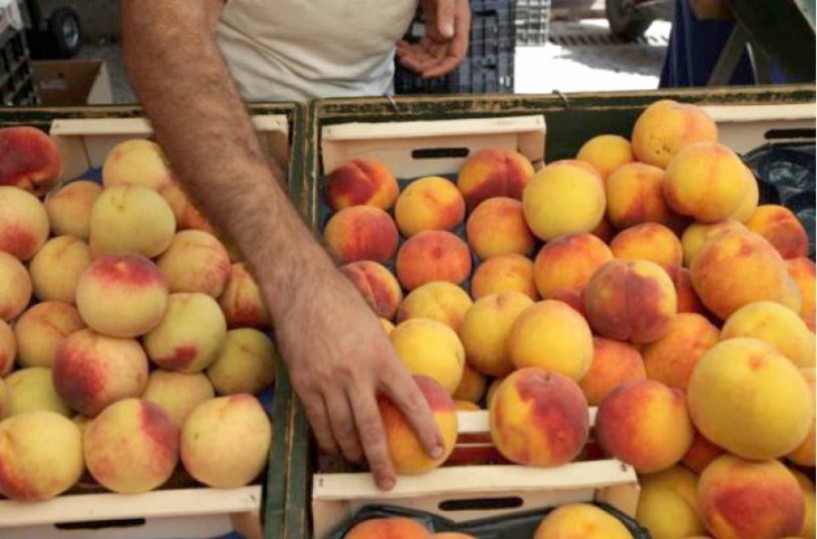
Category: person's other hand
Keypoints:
(440, 51)
(339, 359)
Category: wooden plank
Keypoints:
(478, 422)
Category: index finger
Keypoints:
(446, 18)
(373, 438)
(458, 47)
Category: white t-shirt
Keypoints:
(304, 49)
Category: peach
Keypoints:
(241, 301)
(539, 418)
(3, 399)
(736, 268)
(438, 300)
(804, 454)
(791, 298)
(137, 162)
(774, 324)
(56, 268)
(452, 535)
(433, 255)
(701, 453)
(466, 406)
(431, 203)
(801, 271)
(8, 349)
(132, 446)
(131, 218)
(407, 453)
(749, 399)
(391, 528)
(551, 335)
(706, 181)
(122, 295)
(363, 181)
(41, 330)
(377, 285)
(492, 389)
(633, 301)
(188, 216)
(649, 241)
(493, 172)
(432, 349)
(177, 393)
(604, 231)
(23, 223)
(635, 196)
(566, 264)
(361, 233)
(614, 363)
(688, 300)
(645, 424)
(504, 273)
(808, 529)
(196, 262)
(498, 227)
(245, 364)
(15, 287)
(672, 358)
(743, 499)
(32, 390)
(696, 234)
(581, 521)
(92, 371)
(190, 334)
(41, 454)
(472, 386)
(666, 127)
(667, 505)
(781, 228)
(388, 326)
(29, 159)
(562, 199)
(486, 330)
(69, 208)
(208, 449)
(82, 422)
(606, 153)
(750, 200)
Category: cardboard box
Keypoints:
(73, 82)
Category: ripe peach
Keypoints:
(122, 295)
(177, 393)
(32, 390)
(781, 228)
(808, 529)
(3, 399)
(750, 200)
(566, 264)
(361, 233)
(452, 535)
(504, 273)
(696, 234)
(492, 389)
(791, 298)
(645, 424)
(635, 196)
(649, 241)
(23, 223)
(666, 127)
(741, 498)
(736, 268)
(581, 521)
(804, 454)
(432, 349)
(364, 181)
(69, 208)
(245, 364)
(498, 227)
(131, 218)
(604, 231)
(92, 371)
(41, 330)
(749, 399)
(8, 349)
(486, 329)
(492, 173)
(433, 255)
(56, 268)
(137, 162)
(431, 203)
(801, 270)
(539, 418)
(614, 363)
(633, 301)
(562, 199)
(41, 454)
(29, 159)
(438, 300)
(667, 505)
(606, 153)
(132, 446)
(672, 358)
(701, 453)
(688, 300)
(472, 386)
(377, 284)
(195, 262)
(188, 216)
(15, 287)
(241, 301)
(391, 528)
(208, 449)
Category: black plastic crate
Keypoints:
(17, 87)
(532, 22)
(489, 65)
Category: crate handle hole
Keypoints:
(440, 153)
(482, 504)
(101, 524)
(788, 134)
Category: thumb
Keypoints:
(445, 17)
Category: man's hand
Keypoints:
(440, 51)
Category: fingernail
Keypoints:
(437, 453)
(448, 30)
(386, 483)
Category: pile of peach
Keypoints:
(641, 277)
(115, 352)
